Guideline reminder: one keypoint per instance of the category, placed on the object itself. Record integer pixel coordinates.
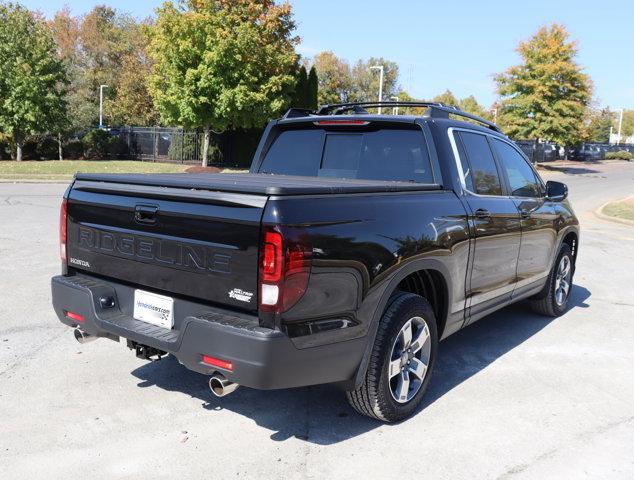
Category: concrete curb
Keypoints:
(599, 213)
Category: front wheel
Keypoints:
(553, 300)
(401, 362)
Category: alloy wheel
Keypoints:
(409, 359)
(562, 280)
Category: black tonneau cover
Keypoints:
(258, 183)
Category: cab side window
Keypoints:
(522, 179)
(483, 171)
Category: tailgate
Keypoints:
(202, 244)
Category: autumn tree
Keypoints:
(104, 47)
(32, 79)
(335, 81)
(598, 125)
(545, 97)
(222, 63)
(131, 102)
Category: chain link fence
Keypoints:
(176, 145)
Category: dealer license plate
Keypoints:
(155, 309)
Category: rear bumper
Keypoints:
(262, 358)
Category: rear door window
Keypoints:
(484, 173)
(386, 154)
(522, 179)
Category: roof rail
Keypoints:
(434, 110)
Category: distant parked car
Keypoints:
(585, 153)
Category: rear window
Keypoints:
(388, 154)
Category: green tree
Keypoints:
(32, 79)
(365, 80)
(627, 126)
(300, 99)
(222, 63)
(313, 88)
(448, 98)
(471, 105)
(546, 96)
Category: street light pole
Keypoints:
(618, 141)
(101, 87)
(395, 109)
(380, 69)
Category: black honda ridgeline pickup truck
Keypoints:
(356, 243)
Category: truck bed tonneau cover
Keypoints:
(258, 183)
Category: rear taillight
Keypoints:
(63, 219)
(284, 269)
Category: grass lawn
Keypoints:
(623, 209)
(65, 169)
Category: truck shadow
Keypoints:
(321, 415)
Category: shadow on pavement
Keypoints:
(321, 415)
(579, 170)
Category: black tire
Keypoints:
(374, 397)
(545, 303)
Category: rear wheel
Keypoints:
(401, 362)
(553, 300)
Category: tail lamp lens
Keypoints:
(284, 269)
(63, 226)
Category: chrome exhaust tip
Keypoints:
(220, 386)
(83, 337)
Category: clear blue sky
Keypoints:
(450, 44)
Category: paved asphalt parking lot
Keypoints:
(515, 395)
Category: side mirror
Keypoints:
(556, 191)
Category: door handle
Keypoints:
(145, 214)
(525, 214)
(482, 213)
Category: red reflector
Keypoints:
(75, 316)
(216, 362)
(341, 122)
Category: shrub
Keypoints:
(47, 148)
(620, 155)
(97, 143)
(73, 149)
(117, 148)
(5, 150)
(29, 149)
